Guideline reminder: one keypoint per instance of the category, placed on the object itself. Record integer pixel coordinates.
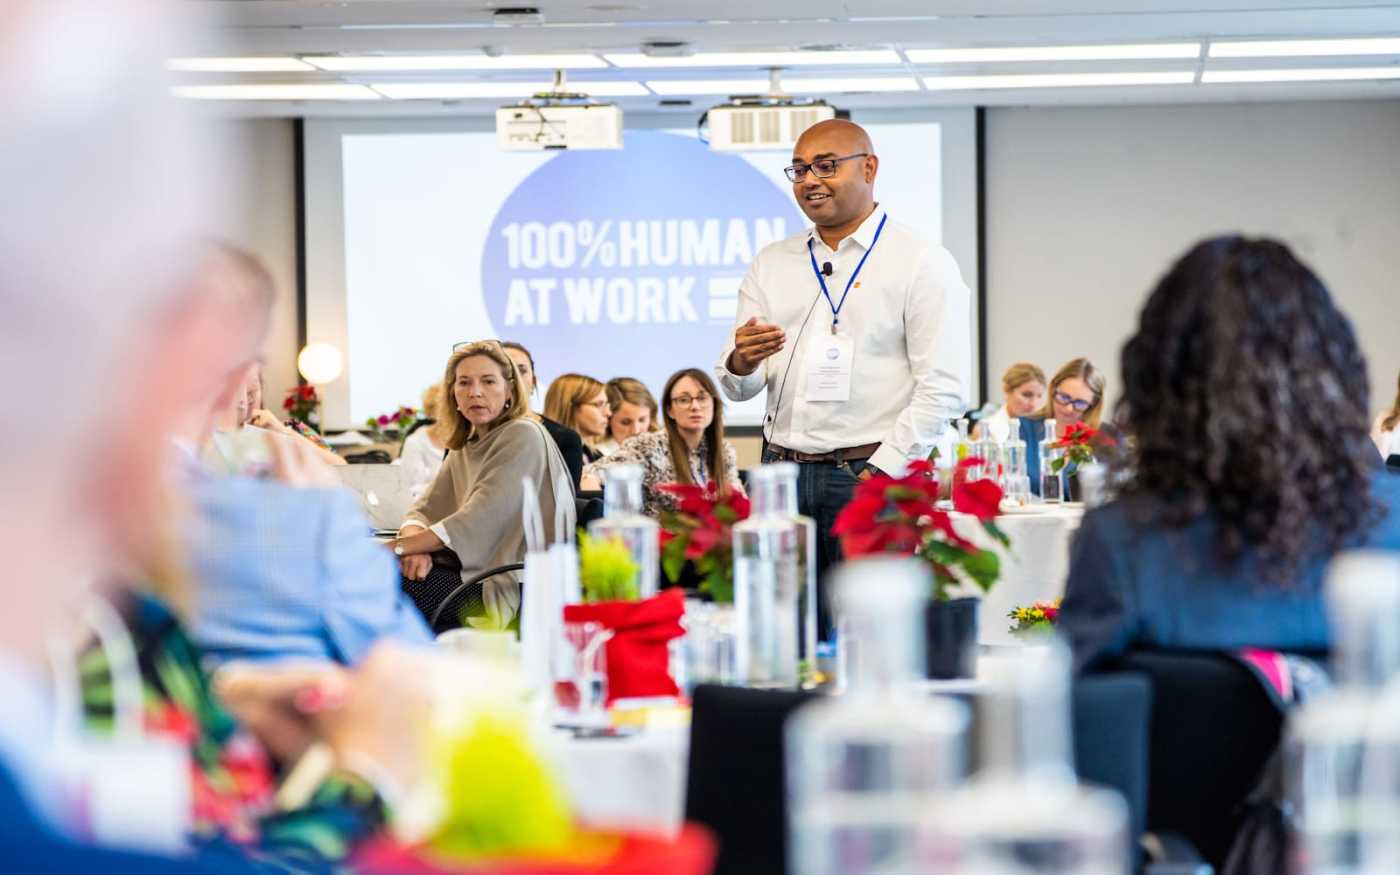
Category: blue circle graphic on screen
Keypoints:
(628, 262)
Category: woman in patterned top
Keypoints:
(692, 449)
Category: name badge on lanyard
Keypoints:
(830, 359)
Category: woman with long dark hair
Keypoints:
(1250, 464)
(690, 450)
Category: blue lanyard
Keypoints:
(836, 308)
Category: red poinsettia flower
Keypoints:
(859, 514)
(944, 525)
(896, 537)
(1050, 609)
(307, 392)
(289, 403)
(921, 468)
(980, 498)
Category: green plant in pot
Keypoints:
(900, 515)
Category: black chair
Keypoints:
(1213, 729)
(449, 611)
(735, 782)
(1111, 715)
(588, 506)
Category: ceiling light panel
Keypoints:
(1316, 48)
(758, 59)
(322, 91)
(239, 65)
(1125, 52)
(1056, 80)
(485, 90)
(1325, 74)
(441, 63)
(790, 86)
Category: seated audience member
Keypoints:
(258, 417)
(633, 412)
(1076, 395)
(691, 450)
(1023, 386)
(566, 439)
(1243, 394)
(472, 509)
(129, 347)
(580, 403)
(423, 449)
(282, 572)
(1385, 433)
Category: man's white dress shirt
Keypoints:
(910, 323)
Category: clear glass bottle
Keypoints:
(775, 592)
(1339, 745)
(623, 521)
(1024, 812)
(1051, 481)
(963, 448)
(863, 765)
(1016, 482)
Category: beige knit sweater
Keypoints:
(477, 497)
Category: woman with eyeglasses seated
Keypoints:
(1076, 395)
(472, 508)
(1244, 391)
(691, 450)
(580, 403)
(566, 439)
(633, 412)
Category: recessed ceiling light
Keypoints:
(312, 91)
(791, 86)
(239, 65)
(1124, 52)
(1056, 80)
(1305, 48)
(437, 63)
(758, 59)
(484, 90)
(1324, 74)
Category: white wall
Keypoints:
(1086, 208)
(265, 224)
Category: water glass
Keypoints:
(581, 675)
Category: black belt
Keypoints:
(835, 457)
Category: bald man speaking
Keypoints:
(858, 328)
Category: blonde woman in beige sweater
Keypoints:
(472, 507)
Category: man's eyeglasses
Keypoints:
(1077, 403)
(703, 399)
(822, 168)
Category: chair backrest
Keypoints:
(1112, 717)
(736, 785)
(466, 598)
(1213, 729)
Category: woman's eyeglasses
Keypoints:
(703, 399)
(1077, 403)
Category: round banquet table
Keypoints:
(634, 782)
(1033, 569)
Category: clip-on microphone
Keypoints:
(826, 268)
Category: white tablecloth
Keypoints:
(633, 782)
(1034, 569)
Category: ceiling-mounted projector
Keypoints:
(559, 119)
(769, 121)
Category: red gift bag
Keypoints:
(638, 662)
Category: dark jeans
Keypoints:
(823, 489)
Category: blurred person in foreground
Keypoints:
(1250, 465)
(283, 570)
(95, 160)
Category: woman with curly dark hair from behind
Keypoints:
(1251, 465)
